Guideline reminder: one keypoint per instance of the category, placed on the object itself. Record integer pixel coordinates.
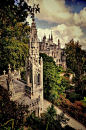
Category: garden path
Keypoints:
(72, 122)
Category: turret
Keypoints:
(44, 38)
(59, 45)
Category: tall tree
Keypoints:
(75, 60)
(14, 32)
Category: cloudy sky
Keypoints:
(65, 18)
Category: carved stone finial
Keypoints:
(9, 69)
(4, 72)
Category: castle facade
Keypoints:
(54, 50)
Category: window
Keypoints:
(59, 60)
(46, 43)
(54, 55)
(60, 64)
(35, 78)
(40, 48)
(38, 79)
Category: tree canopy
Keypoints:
(75, 58)
(52, 81)
(14, 32)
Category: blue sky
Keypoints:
(66, 19)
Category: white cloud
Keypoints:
(83, 43)
(63, 32)
(29, 20)
(80, 19)
(57, 11)
(53, 11)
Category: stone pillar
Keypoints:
(10, 83)
(28, 78)
(4, 72)
(41, 97)
(37, 112)
(33, 77)
(9, 69)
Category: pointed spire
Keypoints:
(59, 45)
(44, 36)
(58, 41)
(51, 36)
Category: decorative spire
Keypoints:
(51, 36)
(59, 45)
(44, 36)
(58, 41)
(9, 69)
(4, 72)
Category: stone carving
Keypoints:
(4, 72)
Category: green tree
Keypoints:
(52, 81)
(50, 118)
(66, 83)
(75, 58)
(13, 50)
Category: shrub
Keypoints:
(78, 103)
(67, 75)
(73, 96)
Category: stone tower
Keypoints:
(34, 67)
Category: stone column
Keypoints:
(9, 69)
(37, 112)
(33, 77)
(41, 96)
(4, 72)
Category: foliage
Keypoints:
(66, 82)
(84, 101)
(68, 70)
(11, 114)
(13, 52)
(13, 33)
(75, 58)
(73, 96)
(23, 75)
(49, 120)
(52, 81)
(77, 110)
